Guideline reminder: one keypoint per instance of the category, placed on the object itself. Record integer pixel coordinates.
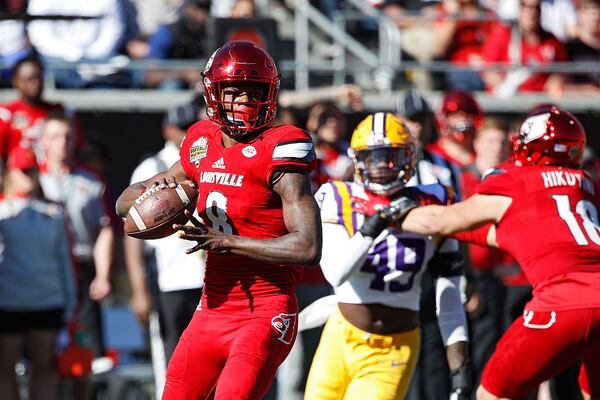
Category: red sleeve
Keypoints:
(294, 150)
(495, 48)
(476, 236)
(497, 181)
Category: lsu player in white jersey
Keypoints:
(370, 344)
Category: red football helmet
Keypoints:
(549, 136)
(459, 101)
(240, 62)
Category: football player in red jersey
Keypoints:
(260, 225)
(542, 208)
(458, 118)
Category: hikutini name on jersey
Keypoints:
(565, 178)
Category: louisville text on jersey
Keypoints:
(221, 178)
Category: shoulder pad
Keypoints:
(491, 172)
(433, 194)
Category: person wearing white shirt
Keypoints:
(180, 276)
(98, 38)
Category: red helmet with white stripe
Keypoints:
(245, 64)
(549, 136)
(459, 116)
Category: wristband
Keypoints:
(460, 378)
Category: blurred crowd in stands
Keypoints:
(62, 266)
(493, 45)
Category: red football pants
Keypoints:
(232, 351)
(539, 346)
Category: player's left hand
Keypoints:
(208, 239)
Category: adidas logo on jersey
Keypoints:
(219, 164)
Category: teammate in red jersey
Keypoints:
(458, 119)
(543, 210)
(260, 225)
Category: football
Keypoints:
(153, 214)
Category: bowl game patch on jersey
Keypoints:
(198, 151)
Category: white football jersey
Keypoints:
(391, 274)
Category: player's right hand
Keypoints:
(208, 239)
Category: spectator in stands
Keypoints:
(285, 116)
(535, 47)
(82, 193)
(417, 37)
(14, 44)
(586, 45)
(221, 8)
(243, 9)
(459, 33)
(179, 275)
(21, 120)
(96, 39)
(331, 143)
(557, 16)
(37, 292)
(144, 18)
(184, 39)
(485, 305)
(458, 119)
(405, 13)
(151, 14)
(414, 110)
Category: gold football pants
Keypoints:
(352, 364)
